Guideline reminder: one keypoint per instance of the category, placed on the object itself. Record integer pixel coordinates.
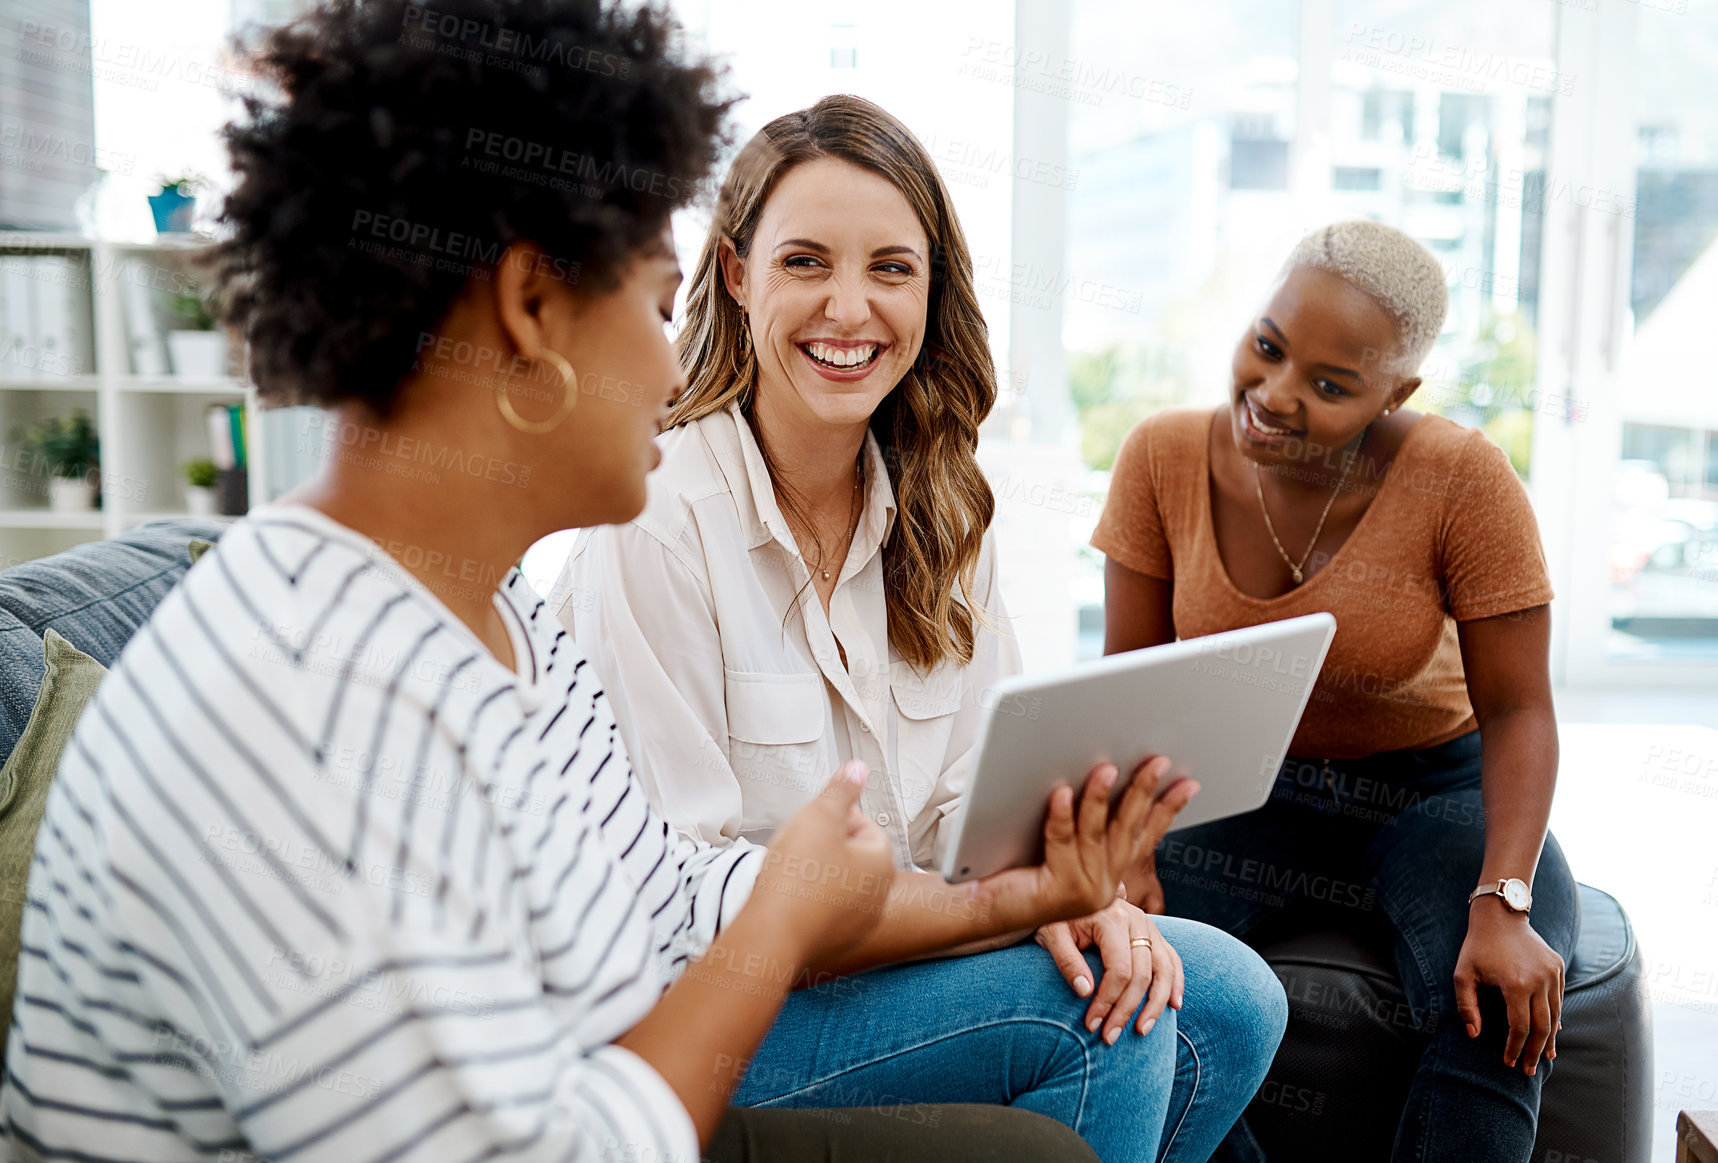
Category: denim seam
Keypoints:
(1193, 1097)
(1429, 1056)
(1078, 1037)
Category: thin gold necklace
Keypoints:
(852, 513)
(1296, 568)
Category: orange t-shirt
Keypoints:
(1449, 537)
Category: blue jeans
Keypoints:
(1006, 1028)
(1392, 842)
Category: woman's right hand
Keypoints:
(1132, 973)
(1087, 847)
(827, 872)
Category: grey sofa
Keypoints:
(1340, 1078)
(96, 595)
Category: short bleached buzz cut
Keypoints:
(1398, 273)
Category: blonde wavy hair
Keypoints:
(928, 425)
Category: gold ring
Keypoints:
(1138, 941)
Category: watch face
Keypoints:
(1515, 895)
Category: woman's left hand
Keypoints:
(1141, 880)
(1503, 950)
(1152, 972)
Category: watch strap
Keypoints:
(1489, 888)
(1497, 889)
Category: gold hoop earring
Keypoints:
(570, 397)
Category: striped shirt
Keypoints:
(320, 878)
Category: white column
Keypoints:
(1586, 261)
(1309, 155)
(1509, 158)
(1028, 451)
(1039, 234)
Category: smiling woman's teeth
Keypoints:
(1267, 429)
(842, 357)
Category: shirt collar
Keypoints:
(742, 464)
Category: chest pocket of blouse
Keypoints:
(775, 741)
(927, 705)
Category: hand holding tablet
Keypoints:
(1222, 708)
(1091, 837)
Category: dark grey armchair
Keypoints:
(1341, 1077)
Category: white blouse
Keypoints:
(724, 672)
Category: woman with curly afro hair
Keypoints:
(345, 860)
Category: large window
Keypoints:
(1581, 284)
(1664, 545)
(1178, 194)
(1431, 118)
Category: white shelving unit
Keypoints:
(148, 425)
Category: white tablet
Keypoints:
(1222, 708)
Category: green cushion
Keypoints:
(70, 682)
(197, 547)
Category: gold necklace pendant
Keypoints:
(1296, 567)
(852, 512)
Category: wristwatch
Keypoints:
(1514, 893)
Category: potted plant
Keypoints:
(196, 344)
(67, 449)
(175, 204)
(200, 487)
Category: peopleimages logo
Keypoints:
(29, 147)
(136, 65)
(972, 163)
(495, 41)
(345, 438)
(1457, 66)
(502, 147)
(1068, 78)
